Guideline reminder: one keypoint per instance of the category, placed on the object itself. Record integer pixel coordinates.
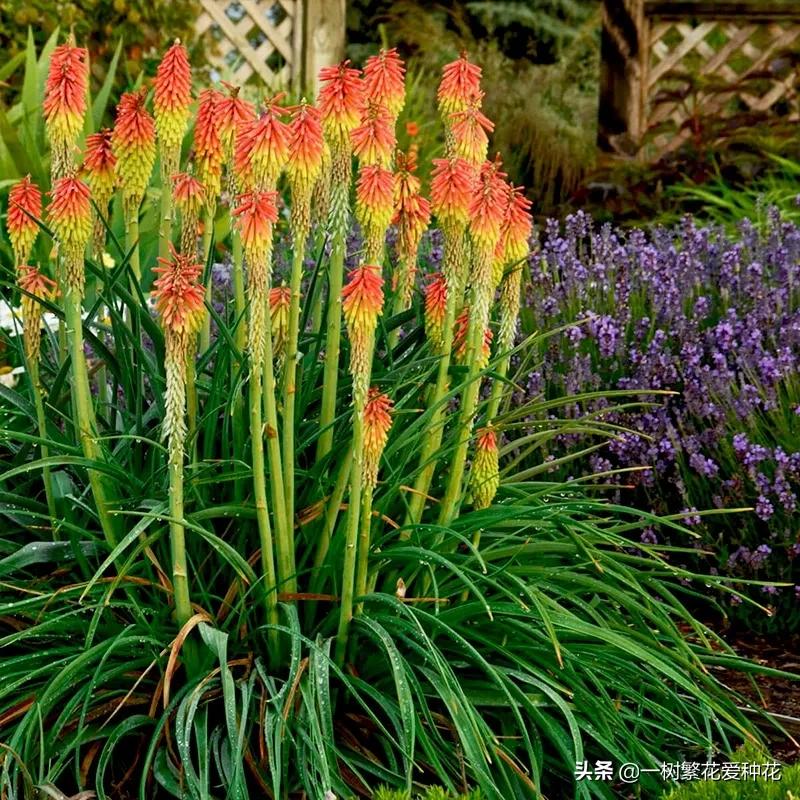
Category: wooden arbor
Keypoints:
(280, 42)
(665, 62)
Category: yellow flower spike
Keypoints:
(99, 169)
(172, 97)
(64, 105)
(262, 148)
(374, 208)
(207, 145)
(485, 474)
(280, 298)
(374, 140)
(24, 208)
(377, 423)
(189, 197)
(35, 287)
(70, 214)
(134, 144)
(435, 310)
(362, 301)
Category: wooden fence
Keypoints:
(668, 63)
(279, 42)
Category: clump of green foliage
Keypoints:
(787, 788)
(431, 793)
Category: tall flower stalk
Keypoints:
(24, 208)
(452, 185)
(70, 215)
(171, 99)
(262, 151)
(255, 215)
(340, 103)
(362, 300)
(486, 216)
(179, 303)
(303, 169)
(377, 423)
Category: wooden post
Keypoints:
(324, 38)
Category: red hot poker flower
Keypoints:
(37, 287)
(134, 145)
(436, 309)
(377, 423)
(488, 205)
(461, 83)
(341, 100)
(517, 227)
(255, 214)
(64, 104)
(70, 214)
(460, 340)
(208, 152)
(384, 80)
(374, 139)
(173, 95)
(189, 197)
(24, 202)
(232, 112)
(262, 148)
(470, 128)
(485, 475)
(452, 185)
(99, 165)
(362, 301)
(305, 148)
(178, 295)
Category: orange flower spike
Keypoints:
(485, 475)
(64, 104)
(460, 84)
(384, 80)
(262, 148)
(374, 207)
(232, 113)
(469, 130)
(255, 214)
(36, 287)
(207, 145)
(487, 209)
(517, 226)
(99, 165)
(306, 145)
(24, 202)
(452, 185)
(134, 145)
(362, 301)
(178, 295)
(70, 214)
(374, 139)
(189, 197)
(173, 95)
(435, 310)
(179, 303)
(377, 424)
(341, 100)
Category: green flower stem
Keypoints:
(262, 510)
(364, 536)
(177, 535)
(165, 220)
(132, 246)
(432, 439)
(469, 404)
(351, 542)
(284, 533)
(208, 232)
(332, 509)
(290, 374)
(332, 336)
(41, 420)
(240, 338)
(316, 300)
(191, 403)
(84, 413)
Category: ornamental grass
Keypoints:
(268, 543)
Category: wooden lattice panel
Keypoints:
(669, 65)
(722, 67)
(253, 37)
